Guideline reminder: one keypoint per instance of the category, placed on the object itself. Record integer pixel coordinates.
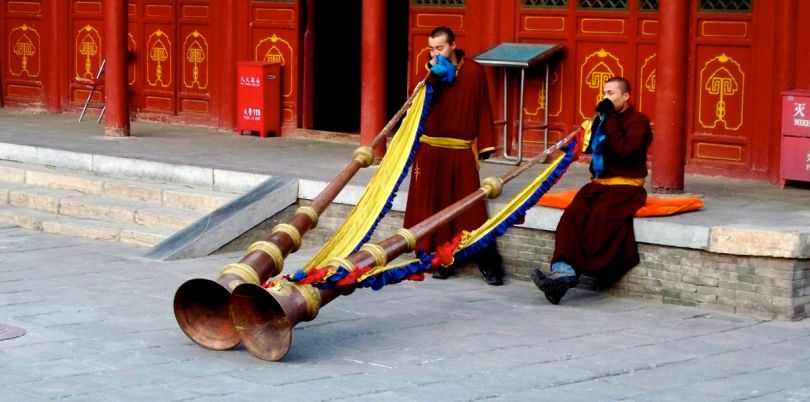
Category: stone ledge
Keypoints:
(745, 240)
(752, 240)
(761, 286)
(216, 179)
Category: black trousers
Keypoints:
(489, 261)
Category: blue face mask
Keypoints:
(444, 69)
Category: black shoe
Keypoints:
(555, 285)
(493, 279)
(492, 276)
(444, 272)
(490, 263)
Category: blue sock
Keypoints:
(563, 268)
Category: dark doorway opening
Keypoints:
(336, 81)
(397, 85)
(337, 27)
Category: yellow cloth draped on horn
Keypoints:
(383, 183)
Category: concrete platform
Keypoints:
(749, 224)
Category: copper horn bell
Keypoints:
(264, 317)
(201, 305)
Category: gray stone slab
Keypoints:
(151, 170)
(224, 224)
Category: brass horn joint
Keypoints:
(272, 250)
(364, 155)
(243, 271)
(410, 238)
(493, 186)
(290, 231)
(309, 212)
(376, 251)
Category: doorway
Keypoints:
(337, 27)
(336, 76)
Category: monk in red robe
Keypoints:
(458, 129)
(595, 233)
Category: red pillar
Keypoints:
(489, 30)
(784, 76)
(374, 47)
(671, 105)
(227, 104)
(52, 97)
(116, 121)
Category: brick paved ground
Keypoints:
(101, 328)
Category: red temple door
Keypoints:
(269, 31)
(85, 35)
(25, 48)
(722, 128)
(174, 48)
(602, 39)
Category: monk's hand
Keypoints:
(444, 69)
(606, 108)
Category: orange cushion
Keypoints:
(655, 206)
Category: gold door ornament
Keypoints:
(597, 68)
(24, 51)
(721, 93)
(275, 50)
(88, 52)
(647, 87)
(159, 59)
(537, 84)
(195, 62)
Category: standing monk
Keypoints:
(458, 129)
(595, 233)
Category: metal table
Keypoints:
(522, 55)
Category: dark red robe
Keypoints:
(595, 233)
(442, 176)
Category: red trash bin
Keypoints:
(258, 97)
(795, 160)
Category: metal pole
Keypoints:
(545, 109)
(520, 119)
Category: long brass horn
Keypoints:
(265, 317)
(201, 305)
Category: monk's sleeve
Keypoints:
(486, 128)
(626, 139)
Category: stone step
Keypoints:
(129, 233)
(79, 205)
(167, 194)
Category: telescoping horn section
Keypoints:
(201, 306)
(264, 317)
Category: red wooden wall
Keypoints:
(728, 132)
(179, 52)
(25, 51)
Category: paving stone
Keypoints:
(163, 220)
(50, 178)
(36, 199)
(81, 228)
(133, 190)
(195, 200)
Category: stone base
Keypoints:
(760, 286)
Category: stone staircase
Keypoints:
(74, 203)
